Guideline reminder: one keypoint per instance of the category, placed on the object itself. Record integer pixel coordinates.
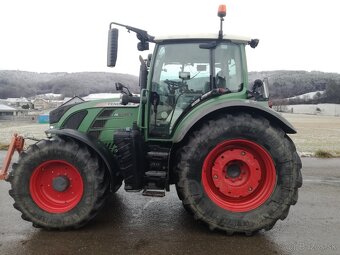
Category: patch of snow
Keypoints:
(315, 109)
(307, 96)
(67, 99)
(6, 108)
(17, 100)
(306, 154)
(49, 96)
(101, 96)
(53, 95)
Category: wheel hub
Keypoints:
(56, 186)
(60, 183)
(239, 169)
(238, 175)
(233, 171)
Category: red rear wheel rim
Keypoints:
(238, 175)
(43, 190)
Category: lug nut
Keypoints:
(250, 189)
(215, 176)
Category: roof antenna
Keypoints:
(222, 10)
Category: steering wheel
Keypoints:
(174, 85)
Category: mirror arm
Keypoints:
(142, 35)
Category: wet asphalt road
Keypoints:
(133, 224)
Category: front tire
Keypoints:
(238, 173)
(58, 184)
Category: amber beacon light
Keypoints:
(222, 11)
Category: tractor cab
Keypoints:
(188, 70)
(184, 71)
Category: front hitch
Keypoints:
(17, 144)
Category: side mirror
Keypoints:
(143, 73)
(119, 86)
(112, 47)
(257, 84)
(266, 88)
(143, 45)
(260, 90)
(253, 43)
(148, 62)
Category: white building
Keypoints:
(6, 110)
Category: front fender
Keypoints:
(101, 150)
(193, 117)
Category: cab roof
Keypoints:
(208, 36)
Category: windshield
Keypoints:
(183, 72)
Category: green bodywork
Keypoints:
(100, 125)
(105, 116)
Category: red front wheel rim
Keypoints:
(56, 186)
(238, 175)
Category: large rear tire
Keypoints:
(239, 174)
(58, 184)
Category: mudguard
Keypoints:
(102, 151)
(250, 106)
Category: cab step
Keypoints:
(153, 193)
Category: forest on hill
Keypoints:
(282, 84)
(286, 84)
(26, 84)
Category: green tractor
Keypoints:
(197, 123)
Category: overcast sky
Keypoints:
(71, 35)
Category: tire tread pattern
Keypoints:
(288, 163)
(93, 174)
